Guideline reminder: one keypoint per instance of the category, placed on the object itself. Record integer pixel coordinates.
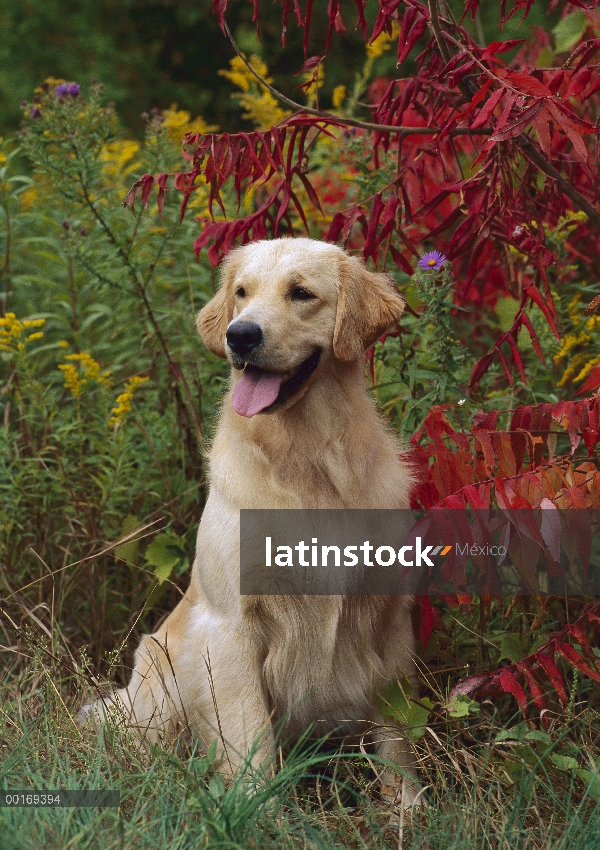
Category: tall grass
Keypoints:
(487, 787)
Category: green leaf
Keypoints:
(418, 715)
(165, 554)
(517, 733)
(569, 30)
(538, 736)
(396, 703)
(511, 648)
(461, 706)
(563, 762)
(592, 781)
(506, 310)
(216, 786)
(129, 551)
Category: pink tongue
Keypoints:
(255, 390)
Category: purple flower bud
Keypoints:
(66, 225)
(64, 89)
(35, 112)
(83, 231)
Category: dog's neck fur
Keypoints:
(317, 442)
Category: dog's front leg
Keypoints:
(393, 745)
(234, 707)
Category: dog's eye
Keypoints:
(241, 292)
(301, 294)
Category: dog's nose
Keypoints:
(243, 337)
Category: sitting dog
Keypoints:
(297, 430)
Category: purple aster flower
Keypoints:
(64, 89)
(432, 261)
(35, 112)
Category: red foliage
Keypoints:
(475, 195)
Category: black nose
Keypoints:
(243, 337)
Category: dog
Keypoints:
(297, 431)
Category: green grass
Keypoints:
(521, 788)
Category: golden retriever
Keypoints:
(297, 430)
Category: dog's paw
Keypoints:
(93, 714)
(403, 793)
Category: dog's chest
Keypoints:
(316, 668)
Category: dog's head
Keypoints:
(287, 306)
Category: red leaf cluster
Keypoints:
(539, 669)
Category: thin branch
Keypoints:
(437, 32)
(349, 122)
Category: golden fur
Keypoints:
(318, 660)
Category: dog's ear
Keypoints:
(368, 306)
(215, 316)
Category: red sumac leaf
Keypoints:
(500, 47)
(487, 109)
(554, 674)
(510, 685)
(413, 26)
(513, 129)
(578, 82)
(507, 466)
(477, 98)
(527, 84)
(573, 657)
(309, 64)
(310, 191)
(161, 182)
(536, 691)
(571, 129)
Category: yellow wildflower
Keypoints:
(12, 329)
(72, 380)
(382, 43)
(241, 77)
(88, 366)
(338, 96)
(593, 323)
(49, 83)
(569, 342)
(260, 106)
(576, 362)
(119, 158)
(587, 369)
(315, 81)
(28, 198)
(124, 400)
(178, 122)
